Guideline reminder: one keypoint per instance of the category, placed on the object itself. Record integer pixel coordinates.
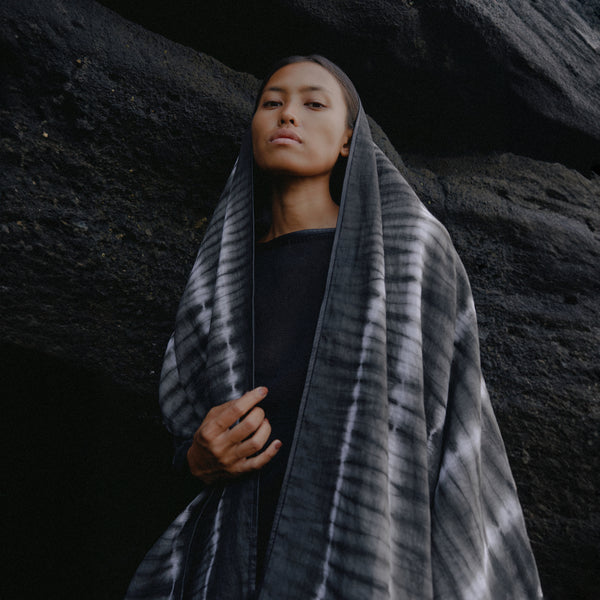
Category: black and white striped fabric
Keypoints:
(398, 486)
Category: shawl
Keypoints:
(397, 485)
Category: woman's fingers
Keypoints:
(246, 427)
(255, 443)
(221, 418)
(260, 460)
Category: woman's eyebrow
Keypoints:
(306, 88)
(314, 88)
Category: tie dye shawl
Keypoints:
(398, 485)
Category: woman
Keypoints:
(367, 463)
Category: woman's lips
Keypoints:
(284, 136)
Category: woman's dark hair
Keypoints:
(348, 89)
(262, 206)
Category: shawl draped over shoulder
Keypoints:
(398, 484)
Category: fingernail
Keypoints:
(262, 390)
(278, 445)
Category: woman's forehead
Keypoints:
(303, 76)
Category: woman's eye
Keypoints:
(315, 104)
(271, 103)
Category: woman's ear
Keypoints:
(345, 150)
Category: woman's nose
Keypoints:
(287, 116)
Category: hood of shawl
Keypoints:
(213, 341)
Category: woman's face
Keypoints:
(300, 127)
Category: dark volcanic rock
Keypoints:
(114, 145)
(438, 75)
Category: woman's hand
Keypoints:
(224, 448)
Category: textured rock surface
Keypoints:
(438, 75)
(114, 145)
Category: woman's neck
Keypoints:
(301, 203)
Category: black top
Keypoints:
(290, 275)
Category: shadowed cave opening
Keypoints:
(89, 485)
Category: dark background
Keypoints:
(115, 141)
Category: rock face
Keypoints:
(438, 75)
(115, 143)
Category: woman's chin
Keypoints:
(293, 169)
(284, 168)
